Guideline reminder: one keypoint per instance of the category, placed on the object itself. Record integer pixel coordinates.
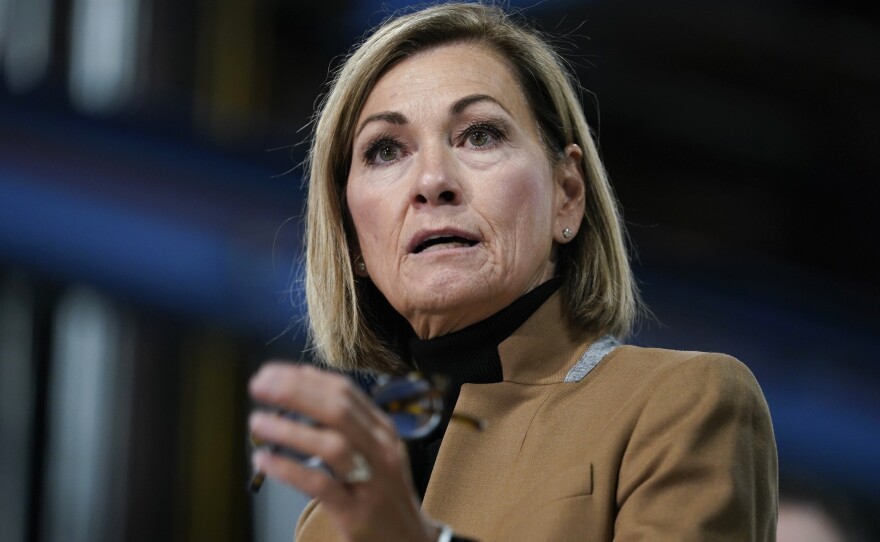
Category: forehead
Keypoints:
(441, 75)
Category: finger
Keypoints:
(381, 426)
(333, 449)
(313, 482)
(299, 388)
(330, 399)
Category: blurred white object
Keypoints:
(803, 522)
(103, 53)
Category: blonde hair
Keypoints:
(351, 324)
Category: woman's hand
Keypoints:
(384, 507)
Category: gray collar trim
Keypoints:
(594, 354)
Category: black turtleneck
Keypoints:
(468, 356)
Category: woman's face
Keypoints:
(455, 203)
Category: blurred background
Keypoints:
(150, 202)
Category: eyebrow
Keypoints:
(457, 108)
(463, 103)
(386, 116)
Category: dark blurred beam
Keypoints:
(196, 233)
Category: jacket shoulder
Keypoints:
(654, 365)
(700, 444)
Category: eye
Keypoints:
(387, 153)
(382, 151)
(481, 136)
(478, 138)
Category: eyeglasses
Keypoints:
(413, 402)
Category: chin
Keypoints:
(449, 303)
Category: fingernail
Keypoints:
(253, 420)
(258, 459)
(263, 376)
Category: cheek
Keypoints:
(525, 198)
(363, 219)
(370, 213)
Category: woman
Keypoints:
(460, 223)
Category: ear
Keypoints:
(570, 194)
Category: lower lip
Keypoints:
(446, 249)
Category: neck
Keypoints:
(470, 355)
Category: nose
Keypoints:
(436, 181)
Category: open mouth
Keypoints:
(441, 242)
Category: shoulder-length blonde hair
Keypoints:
(351, 324)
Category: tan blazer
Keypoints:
(649, 445)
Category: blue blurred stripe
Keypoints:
(161, 261)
